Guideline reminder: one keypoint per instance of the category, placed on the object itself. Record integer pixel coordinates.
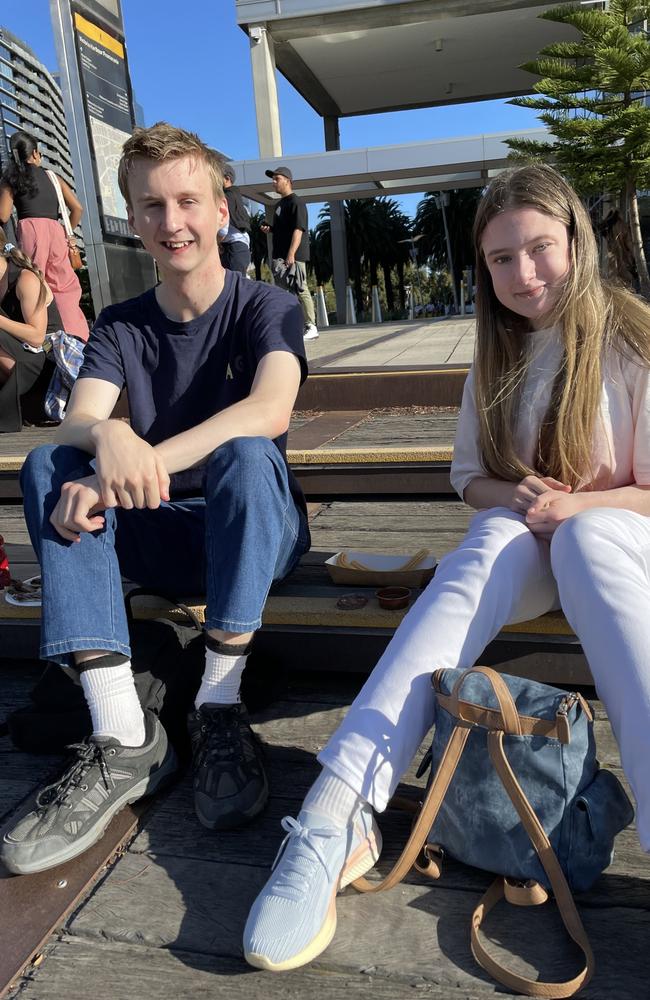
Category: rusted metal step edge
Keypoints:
(32, 907)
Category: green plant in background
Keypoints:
(593, 99)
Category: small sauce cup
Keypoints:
(393, 598)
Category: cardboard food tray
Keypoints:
(382, 571)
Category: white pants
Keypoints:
(597, 568)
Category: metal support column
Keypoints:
(267, 110)
(443, 200)
(266, 92)
(337, 229)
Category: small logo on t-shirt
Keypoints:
(229, 373)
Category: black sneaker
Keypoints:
(230, 784)
(72, 814)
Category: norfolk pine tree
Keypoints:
(592, 99)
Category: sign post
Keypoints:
(98, 101)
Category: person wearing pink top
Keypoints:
(26, 187)
(553, 451)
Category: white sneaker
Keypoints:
(294, 917)
(311, 332)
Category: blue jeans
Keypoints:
(233, 544)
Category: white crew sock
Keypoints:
(221, 678)
(332, 797)
(114, 705)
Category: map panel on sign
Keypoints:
(108, 142)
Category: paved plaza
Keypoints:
(410, 343)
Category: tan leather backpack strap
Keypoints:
(424, 822)
(509, 713)
(563, 897)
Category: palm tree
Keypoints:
(460, 216)
(374, 230)
(400, 228)
(320, 253)
(363, 234)
(393, 227)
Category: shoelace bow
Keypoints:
(87, 755)
(296, 877)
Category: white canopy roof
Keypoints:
(348, 57)
(438, 165)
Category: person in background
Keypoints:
(26, 187)
(235, 243)
(290, 231)
(27, 313)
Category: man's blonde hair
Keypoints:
(163, 141)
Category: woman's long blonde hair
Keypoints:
(592, 314)
(24, 262)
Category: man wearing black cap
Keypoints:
(291, 245)
(235, 241)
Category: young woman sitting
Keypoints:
(27, 313)
(553, 450)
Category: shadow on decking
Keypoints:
(182, 888)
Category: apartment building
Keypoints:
(30, 99)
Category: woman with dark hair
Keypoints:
(27, 313)
(26, 187)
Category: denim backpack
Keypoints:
(515, 789)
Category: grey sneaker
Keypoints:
(72, 813)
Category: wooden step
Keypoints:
(316, 611)
(328, 389)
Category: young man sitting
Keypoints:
(212, 364)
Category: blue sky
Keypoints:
(190, 65)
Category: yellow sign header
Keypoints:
(98, 35)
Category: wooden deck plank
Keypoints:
(313, 611)
(180, 895)
(172, 831)
(351, 455)
(22, 442)
(358, 429)
(307, 599)
(324, 428)
(415, 931)
(420, 430)
(117, 971)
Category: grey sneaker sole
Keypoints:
(147, 786)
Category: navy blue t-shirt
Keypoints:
(179, 374)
